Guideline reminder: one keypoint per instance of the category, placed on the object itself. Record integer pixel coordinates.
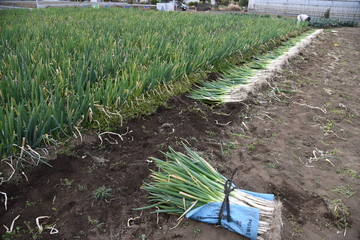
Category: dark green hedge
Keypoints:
(328, 23)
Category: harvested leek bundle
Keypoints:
(237, 78)
(186, 183)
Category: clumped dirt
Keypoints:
(299, 140)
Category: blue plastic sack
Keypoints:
(244, 220)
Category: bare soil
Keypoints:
(299, 139)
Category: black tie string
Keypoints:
(226, 202)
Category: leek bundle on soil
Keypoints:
(186, 181)
(223, 89)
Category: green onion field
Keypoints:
(58, 67)
(132, 123)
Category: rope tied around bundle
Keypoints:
(226, 203)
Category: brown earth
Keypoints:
(299, 139)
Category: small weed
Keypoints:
(144, 129)
(65, 182)
(102, 193)
(92, 168)
(278, 120)
(274, 135)
(291, 142)
(283, 85)
(346, 96)
(251, 147)
(96, 222)
(185, 224)
(143, 237)
(340, 213)
(325, 143)
(328, 224)
(33, 231)
(29, 204)
(211, 133)
(305, 81)
(70, 152)
(196, 232)
(194, 139)
(293, 76)
(226, 148)
(81, 187)
(352, 173)
(160, 145)
(328, 126)
(92, 221)
(271, 165)
(317, 181)
(117, 165)
(167, 106)
(332, 152)
(239, 135)
(295, 225)
(244, 115)
(81, 233)
(200, 112)
(346, 190)
(338, 112)
(16, 233)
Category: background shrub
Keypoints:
(244, 3)
(327, 23)
(192, 4)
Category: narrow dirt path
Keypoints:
(304, 145)
(299, 139)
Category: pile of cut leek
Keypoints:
(186, 181)
(222, 89)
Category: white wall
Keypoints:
(339, 9)
(188, 1)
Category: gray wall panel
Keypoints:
(339, 9)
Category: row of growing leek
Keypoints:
(58, 65)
